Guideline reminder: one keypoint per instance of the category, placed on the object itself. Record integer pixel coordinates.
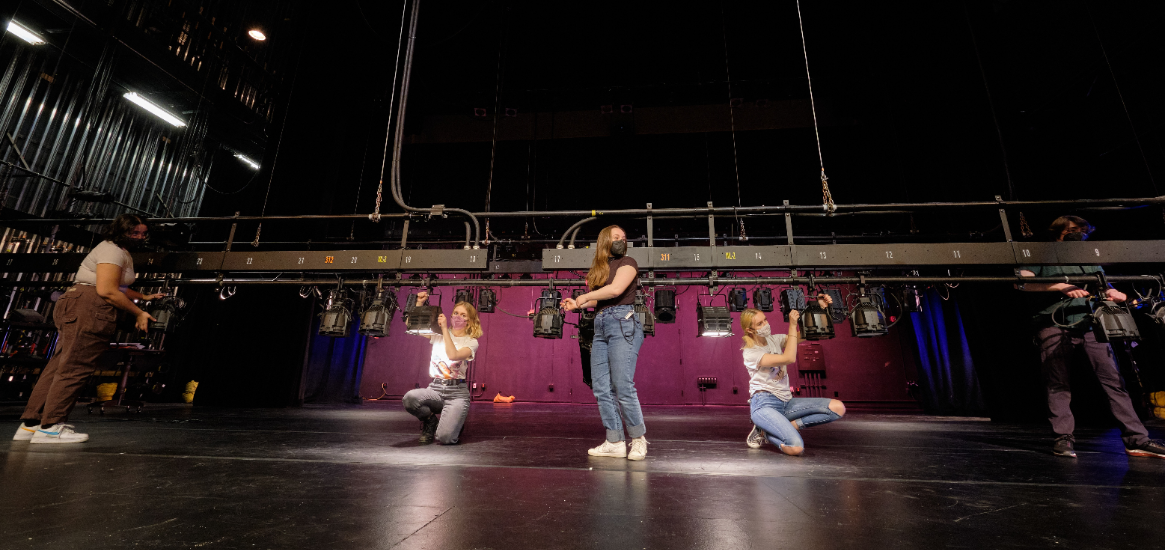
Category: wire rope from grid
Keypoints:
(826, 196)
(375, 216)
(278, 145)
(1121, 95)
(731, 114)
(494, 140)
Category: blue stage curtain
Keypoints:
(334, 367)
(946, 372)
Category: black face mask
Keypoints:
(618, 249)
(132, 245)
(1075, 237)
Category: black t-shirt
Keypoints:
(628, 296)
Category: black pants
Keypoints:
(1057, 347)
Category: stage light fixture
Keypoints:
(336, 319)
(737, 300)
(665, 306)
(227, 291)
(646, 318)
(164, 310)
(486, 301)
(911, 299)
(792, 299)
(1113, 323)
(154, 109)
(257, 35)
(24, 34)
(548, 319)
(762, 299)
(421, 320)
(463, 295)
(816, 323)
(867, 319)
(712, 321)
(376, 320)
(247, 161)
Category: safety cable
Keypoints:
(731, 112)
(826, 196)
(278, 145)
(493, 146)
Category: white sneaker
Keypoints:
(58, 433)
(24, 433)
(617, 449)
(755, 438)
(638, 449)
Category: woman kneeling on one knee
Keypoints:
(776, 414)
(444, 405)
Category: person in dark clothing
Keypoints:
(1060, 312)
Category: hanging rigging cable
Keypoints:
(731, 115)
(375, 216)
(493, 147)
(1124, 106)
(826, 197)
(278, 144)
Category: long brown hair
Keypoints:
(600, 266)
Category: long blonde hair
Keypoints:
(473, 328)
(746, 318)
(600, 266)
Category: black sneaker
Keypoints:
(1153, 448)
(429, 429)
(1064, 446)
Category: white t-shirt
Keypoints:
(106, 253)
(774, 380)
(439, 364)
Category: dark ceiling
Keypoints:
(918, 101)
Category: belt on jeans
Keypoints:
(449, 381)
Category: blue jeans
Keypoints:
(773, 415)
(613, 355)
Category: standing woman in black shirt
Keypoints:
(613, 280)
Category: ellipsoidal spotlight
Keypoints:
(463, 295)
(737, 300)
(377, 318)
(486, 301)
(816, 323)
(336, 319)
(911, 299)
(1113, 323)
(164, 310)
(548, 320)
(867, 319)
(646, 318)
(762, 299)
(665, 306)
(713, 321)
(792, 299)
(421, 320)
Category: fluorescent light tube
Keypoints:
(249, 162)
(24, 34)
(157, 111)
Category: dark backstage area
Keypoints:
(500, 274)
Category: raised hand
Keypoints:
(422, 297)
(441, 321)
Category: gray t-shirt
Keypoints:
(106, 253)
(774, 380)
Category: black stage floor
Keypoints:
(354, 477)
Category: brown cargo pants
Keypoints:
(85, 323)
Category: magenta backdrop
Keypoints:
(511, 361)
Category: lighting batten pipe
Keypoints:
(698, 281)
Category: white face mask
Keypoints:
(765, 331)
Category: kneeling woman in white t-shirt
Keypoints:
(444, 405)
(776, 414)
